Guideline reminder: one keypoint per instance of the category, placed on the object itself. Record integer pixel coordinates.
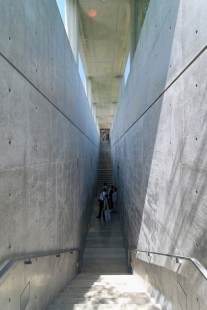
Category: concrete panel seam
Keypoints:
(8, 61)
(181, 73)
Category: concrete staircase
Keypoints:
(105, 292)
(104, 282)
(104, 167)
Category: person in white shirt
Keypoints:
(110, 192)
(106, 209)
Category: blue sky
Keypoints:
(127, 69)
(61, 6)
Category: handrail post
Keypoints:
(129, 261)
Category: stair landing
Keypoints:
(104, 282)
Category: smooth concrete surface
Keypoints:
(104, 282)
(159, 140)
(49, 148)
(46, 277)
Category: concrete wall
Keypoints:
(159, 137)
(174, 286)
(48, 140)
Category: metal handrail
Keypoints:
(194, 261)
(27, 259)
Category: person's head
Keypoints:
(105, 184)
(112, 187)
(115, 189)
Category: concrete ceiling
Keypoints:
(104, 49)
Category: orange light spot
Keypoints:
(92, 13)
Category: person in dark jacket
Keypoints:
(114, 199)
(101, 203)
(110, 193)
(106, 209)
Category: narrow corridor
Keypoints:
(114, 89)
(104, 282)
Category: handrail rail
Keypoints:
(28, 258)
(194, 261)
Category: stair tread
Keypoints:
(98, 294)
(104, 306)
(122, 301)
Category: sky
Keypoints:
(61, 6)
(127, 69)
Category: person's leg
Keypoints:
(100, 208)
(109, 215)
(115, 207)
(106, 215)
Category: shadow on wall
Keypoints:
(188, 208)
(134, 152)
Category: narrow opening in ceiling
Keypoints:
(81, 71)
(61, 7)
(127, 69)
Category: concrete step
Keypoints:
(105, 179)
(104, 260)
(107, 235)
(103, 243)
(107, 175)
(140, 300)
(105, 251)
(104, 162)
(98, 294)
(104, 176)
(103, 307)
(105, 278)
(99, 234)
(120, 268)
(89, 284)
(100, 287)
(102, 226)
